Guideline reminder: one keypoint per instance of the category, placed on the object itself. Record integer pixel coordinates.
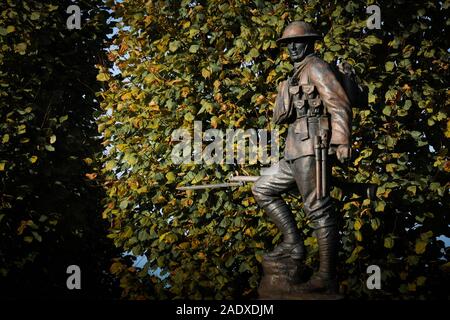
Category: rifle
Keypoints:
(365, 189)
(321, 151)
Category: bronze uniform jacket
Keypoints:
(300, 140)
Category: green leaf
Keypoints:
(412, 190)
(5, 138)
(35, 15)
(389, 66)
(380, 204)
(194, 48)
(49, 148)
(373, 40)
(355, 254)
(174, 45)
(123, 204)
(388, 242)
(375, 223)
(189, 117)
(10, 29)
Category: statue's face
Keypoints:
(297, 50)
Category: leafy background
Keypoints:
(173, 62)
(217, 62)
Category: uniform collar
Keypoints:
(301, 64)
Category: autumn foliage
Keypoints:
(171, 63)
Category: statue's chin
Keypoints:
(297, 59)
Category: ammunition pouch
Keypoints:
(306, 101)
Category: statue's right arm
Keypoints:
(282, 110)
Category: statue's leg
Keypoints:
(267, 191)
(321, 213)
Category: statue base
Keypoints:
(280, 280)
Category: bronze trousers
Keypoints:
(299, 173)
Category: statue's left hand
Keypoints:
(343, 152)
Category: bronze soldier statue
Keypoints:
(316, 107)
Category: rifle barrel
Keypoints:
(211, 186)
(245, 178)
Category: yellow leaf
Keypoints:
(184, 245)
(187, 202)
(388, 242)
(189, 117)
(103, 77)
(420, 246)
(91, 176)
(250, 232)
(186, 24)
(206, 73)
(445, 267)
(170, 176)
(110, 165)
(20, 48)
(116, 268)
(375, 223)
(52, 7)
(2, 166)
(447, 132)
(390, 167)
(358, 224)
(22, 227)
(5, 138)
(380, 206)
(33, 159)
(52, 139)
(201, 255)
(105, 213)
(411, 287)
(412, 190)
(152, 106)
(214, 122)
(142, 190)
(421, 280)
(10, 29)
(126, 96)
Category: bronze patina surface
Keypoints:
(317, 110)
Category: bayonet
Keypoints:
(365, 189)
(235, 181)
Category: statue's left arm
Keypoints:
(336, 103)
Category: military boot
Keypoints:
(292, 245)
(325, 280)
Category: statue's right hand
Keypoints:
(343, 152)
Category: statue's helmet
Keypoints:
(298, 30)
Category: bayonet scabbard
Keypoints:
(318, 154)
(324, 177)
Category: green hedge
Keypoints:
(217, 62)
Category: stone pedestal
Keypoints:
(282, 277)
